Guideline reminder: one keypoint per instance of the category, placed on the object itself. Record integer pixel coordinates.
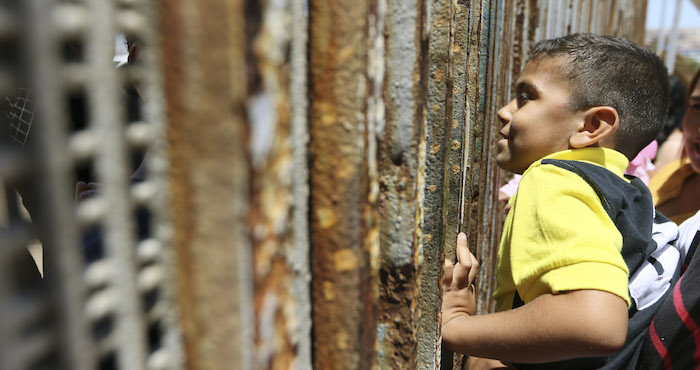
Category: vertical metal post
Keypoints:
(111, 166)
(204, 68)
(342, 204)
(63, 263)
(276, 108)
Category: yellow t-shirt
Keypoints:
(557, 236)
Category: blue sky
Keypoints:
(690, 16)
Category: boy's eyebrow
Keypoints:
(525, 86)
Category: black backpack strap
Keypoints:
(574, 167)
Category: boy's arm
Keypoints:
(581, 323)
(584, 323)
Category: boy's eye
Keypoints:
(522, 99)
(695, 106)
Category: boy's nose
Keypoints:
(504, 114)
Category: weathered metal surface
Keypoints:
(400, 133)
(459, 139)
(277, 125)
(437, 113)
(342, 234)
(210, 175)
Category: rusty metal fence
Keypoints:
(275, 184)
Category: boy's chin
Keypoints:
(507, 165)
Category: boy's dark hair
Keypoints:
(612, 71)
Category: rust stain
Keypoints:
(439, 75)
(346, 168)
(345, 260)
(326, 217)
(344, 54)
(342, 339)
(329, 290)
(327, 114)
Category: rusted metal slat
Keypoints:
(209, 176)
(279, 236)
(473, 125)
(497, 90)
(341, 232)
(408, 314)
(437, 120)
(458, 139)
(483, 126)
(430, 254)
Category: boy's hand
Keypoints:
(458, 290)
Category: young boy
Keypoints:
(578, 229)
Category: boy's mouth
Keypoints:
(503, 140)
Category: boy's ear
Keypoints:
(599, 122)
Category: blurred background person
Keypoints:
(676, 187)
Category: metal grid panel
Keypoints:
(106, 258)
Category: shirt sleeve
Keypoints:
(562, 239)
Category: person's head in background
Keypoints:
(676, 186)
(691, 124)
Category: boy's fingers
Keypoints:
(474, 270)
(460, 274)
(447, 277)
(462, 250)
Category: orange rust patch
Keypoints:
(326, 217)
(345, 260)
